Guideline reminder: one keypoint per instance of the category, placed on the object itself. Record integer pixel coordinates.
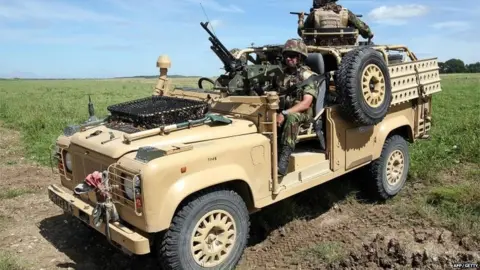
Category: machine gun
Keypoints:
(242, 79)
(230, 63)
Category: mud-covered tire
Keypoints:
(386, 176)
(363, 83)
(175, 248)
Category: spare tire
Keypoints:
(363, 83)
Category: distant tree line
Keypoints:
(458, 66)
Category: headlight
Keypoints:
(128, 185)
(68, 161)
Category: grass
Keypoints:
(454, 205)
(453, 201)
(8, 262)
(455, 136)
(325, 252)
(12, 193)
(40, 109)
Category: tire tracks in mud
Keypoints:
(370, 237)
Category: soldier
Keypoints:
(295, 53)
(327, 14)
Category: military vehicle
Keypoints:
(177, 174)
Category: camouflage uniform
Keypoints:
(292, 121)
(349, 20)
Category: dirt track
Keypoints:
(335, 233)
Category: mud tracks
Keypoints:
(360, 236)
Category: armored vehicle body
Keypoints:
(179, 173)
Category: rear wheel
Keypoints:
(387, 175)
(210, 231)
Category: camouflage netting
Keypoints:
(155, 111)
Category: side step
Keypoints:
(302, 160)
(305, 166)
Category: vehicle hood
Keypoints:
(117, 148)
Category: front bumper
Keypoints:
(120, 235)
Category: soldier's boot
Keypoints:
(283, 159)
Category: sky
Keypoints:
(111, 38)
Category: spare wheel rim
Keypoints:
(373, 86)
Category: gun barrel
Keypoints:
(215, 41)
(222, 57)
(227, 58)
(298, 13)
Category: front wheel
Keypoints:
(387, 175)
(210, 231)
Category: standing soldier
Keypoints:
(295, 53)
(327, 14)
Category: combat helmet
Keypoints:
(295, 45)
(321, 3)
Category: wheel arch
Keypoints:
(404, 129)
(234, 178)
(238, 185)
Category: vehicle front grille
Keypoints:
(121, 180)
(83, 165)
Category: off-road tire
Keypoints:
(174, 249)
(349, 85)
(394, 149)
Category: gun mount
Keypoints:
(241, 79)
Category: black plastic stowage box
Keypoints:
(155, 111)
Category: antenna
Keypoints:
(91, 110)
(208, 20)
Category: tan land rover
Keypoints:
(178, 173)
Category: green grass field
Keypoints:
(41, 109)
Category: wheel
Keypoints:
(210, 231)
(200, 82)
(363, 82)
(387, 174)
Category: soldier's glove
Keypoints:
(301, 16)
